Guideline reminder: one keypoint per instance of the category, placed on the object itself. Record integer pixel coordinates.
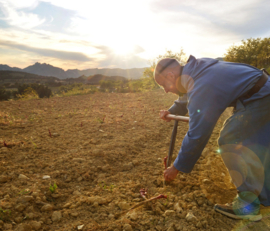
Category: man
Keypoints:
(209, 87)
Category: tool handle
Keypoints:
(178, 118)
(174, 133)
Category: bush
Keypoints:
(41, 90)
(4, 94)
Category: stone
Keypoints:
(99, 200)
(23, 227)
(23, 177)
(123, 205)
(4, 149)
(66, 205)
(75, 214)
(56, 216)
(97, 152)
(46, 177)
(77, 193)
(206, 181)
(127, 227)
(191, 218)
(36, 225)
(133, 216)
(24, 199)
(1, 223)
(169, 213)
(177, 208)
(3, 179)
(111, 216)
(171, 228)
(80, 227)
(46, 208)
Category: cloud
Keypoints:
(242, 19)
(57, 19)
(19, 18)
(64, 55)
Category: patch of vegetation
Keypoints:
(53, 187)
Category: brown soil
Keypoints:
(100, 150)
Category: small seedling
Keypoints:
(53, 187)
(24, 192)
(4, 214)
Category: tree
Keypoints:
(253, 51)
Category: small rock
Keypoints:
(4, 149)
(77, 193)
(95, 204)
(177, 208)
(66, 205)
(191, 218)
(199, 225)
(206, 181)
(80, 227)
(75, 214)
(46, 177)
(22, 227)
(35, 225)
(133, 216)
(111, 216)
(55, 134)
(46, 207)
(169, 213)
(25, 199)
(171, 228)
(135, 162)
(56, 216)
(1, 223)
(123, 205)
(23, 177)
(3, 179)
(127, 227)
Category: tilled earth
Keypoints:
(100, 150)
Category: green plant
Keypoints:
(24, 192)
(4, 214)
(53, 187)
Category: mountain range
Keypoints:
(49, 70)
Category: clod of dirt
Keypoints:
(56, 216)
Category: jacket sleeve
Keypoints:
(180, 106)
(205, 107)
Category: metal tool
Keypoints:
(168, 159)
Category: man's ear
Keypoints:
(170, 76)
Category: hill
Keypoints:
(49, 70)
(19, 77)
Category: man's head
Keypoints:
(167, 73)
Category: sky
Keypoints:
(82, 34)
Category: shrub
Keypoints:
(4, 94)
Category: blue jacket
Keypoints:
(216, 84)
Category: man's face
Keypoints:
(168, 83)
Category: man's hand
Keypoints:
(162, 115)
(170, 173)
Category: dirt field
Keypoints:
(100, 150)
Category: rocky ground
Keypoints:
(76, 163)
